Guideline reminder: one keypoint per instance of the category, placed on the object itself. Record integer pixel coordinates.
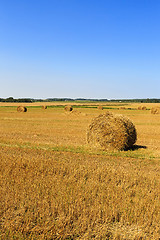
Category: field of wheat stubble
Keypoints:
(53, 185)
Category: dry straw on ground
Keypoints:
(68, 108)
(100, 107)
(112, 131)
(44, 107)
(21, 109)
(155, 110)
(76, 112)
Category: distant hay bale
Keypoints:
(122, 108)
(44, 107)
(21, 109)
(155, 110)
(142, 108)
(68, 108)
(111, 131)
(100, 107)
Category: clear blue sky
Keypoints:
(80, 48)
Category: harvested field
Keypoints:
(54, 186)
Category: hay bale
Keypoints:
(100, 107)
(68, 108)
(111, 131)
(21, 109)
(44, 107)
(155, 110)
(122, 108)
(142, 108)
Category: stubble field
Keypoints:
(54, 186)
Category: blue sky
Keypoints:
(80, 48)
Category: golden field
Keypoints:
(54, 186)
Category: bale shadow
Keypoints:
(136, 147)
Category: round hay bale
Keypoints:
(100, 107)
(21, 109)
(68, 108)
(155, 110)
(112, 131)
(142, 108)
(122, 108)
(44, 107)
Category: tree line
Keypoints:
(30, 100)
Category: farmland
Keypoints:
(53, 185)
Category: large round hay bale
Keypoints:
(155, 110)
(68, 108)
(21, 109)
(100, 107)
(139, 108)
(44, 107)
(112, 131)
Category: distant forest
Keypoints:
(31, 100)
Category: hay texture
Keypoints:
(111, 131)
(44, 107)
(155, 110)
(21, 109)
(68, 108)
(100, 107)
